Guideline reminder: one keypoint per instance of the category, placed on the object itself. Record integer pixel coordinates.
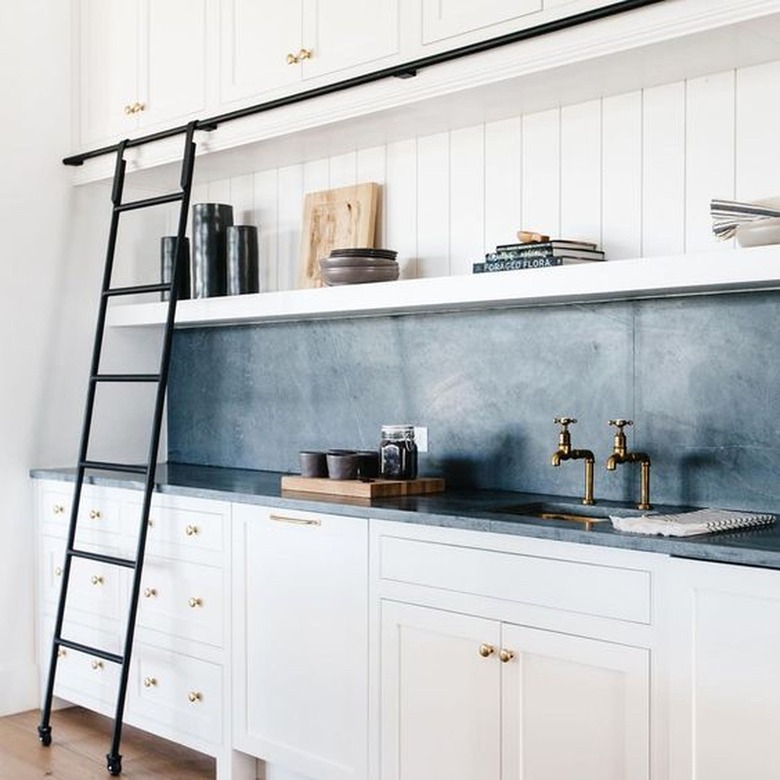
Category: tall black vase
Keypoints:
(209, 256)
(167, 249)
(242, 260)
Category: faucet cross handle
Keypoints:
(564, 422)
(619, 423)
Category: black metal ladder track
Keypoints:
(147, 470)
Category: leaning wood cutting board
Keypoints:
(379, 488)
(335, 219)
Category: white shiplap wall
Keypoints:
(634, 172)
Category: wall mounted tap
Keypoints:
(565, 452)
(620, 454)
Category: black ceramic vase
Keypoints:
(242, 260)
(209, 256)
(167, 248)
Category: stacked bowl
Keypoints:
(358, 265)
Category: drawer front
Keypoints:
(585, 588)
(99, 522)
(183, 599)
(181, 530)
(182, 693)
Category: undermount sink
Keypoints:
(571, 510)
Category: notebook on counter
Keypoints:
(700, 521)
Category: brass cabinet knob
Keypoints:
(94, 514)
(195, 697)
(291, 59)
(96, 579)
(150, 682)
(58, 572)
(195, 602)
(150, 592)
(97, 665)
(139, 107)
(61, 652)
(506, 655)
(129, 109)
(150, 522)
(486, 650)
(192, 530)
(304, 54)
(58, 509)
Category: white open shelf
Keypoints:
(712, 272)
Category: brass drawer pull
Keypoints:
(294, 520)
(150, 592)
(96, 579)
(150, 682)
(486, 650)
(195, 602)
(192, 530)
(195, 697)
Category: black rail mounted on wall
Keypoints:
(403, 71)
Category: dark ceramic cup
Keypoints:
(313, 464)
(368, 464)
(342, 464)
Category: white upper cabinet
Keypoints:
(266, 49)
(448, 18)
(142, 65)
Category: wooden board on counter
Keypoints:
(378, 488)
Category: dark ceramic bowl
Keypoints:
(359, 274)
(388, 254)
(342, 465)
(313, 464)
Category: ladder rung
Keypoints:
(146, 202)
(106, 656)
(126, 378)
(128, 468)
(101, 558)
(138, 289)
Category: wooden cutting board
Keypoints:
(379, 488)
(335, 219)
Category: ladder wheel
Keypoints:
(114, 764)
(44, 735)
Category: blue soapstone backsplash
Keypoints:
(699, 375)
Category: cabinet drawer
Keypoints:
(99, 515)
(179, 530)
(586, 588)
(182, 693)
(183, 599)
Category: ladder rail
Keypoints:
(113, 757)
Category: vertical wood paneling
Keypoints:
(316, 175)
(581, 171)
(467, 197)
(400, 198)
(343, 170)
(541, 172)
(219, 191)
(372, 166)
(289, 215)
(663, 170)
(709, 155)
(433, 205)
(503, 177)
(621, 199)
(242, 196)
(757, 131)
(266, 202)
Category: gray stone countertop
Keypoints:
(476, 510)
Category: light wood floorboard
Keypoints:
(80, 741)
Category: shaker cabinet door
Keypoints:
(449, 18)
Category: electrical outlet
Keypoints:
(421, 438)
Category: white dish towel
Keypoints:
(700, 521)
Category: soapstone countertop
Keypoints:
(476, 510)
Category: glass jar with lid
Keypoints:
(398, 452)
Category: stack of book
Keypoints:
(538, 254)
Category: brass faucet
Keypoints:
(565, 452)
(620, 454)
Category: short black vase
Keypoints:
(242, 260)
(209, 255)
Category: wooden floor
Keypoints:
(80, 741)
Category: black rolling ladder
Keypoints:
(147, 470)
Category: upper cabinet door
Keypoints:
(259, 47)
(340, 34)
(172, 73)
(108, 32)
(449, 18)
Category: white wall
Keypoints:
(635, 172)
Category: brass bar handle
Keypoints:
(506, 655)
(195, 601)
(192, 530)
(96, 579)
(195, 697)
(94, 514)
(486, 650)
(150, 593)
(294, 520)
(150, 682)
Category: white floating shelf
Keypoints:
(705, 273)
